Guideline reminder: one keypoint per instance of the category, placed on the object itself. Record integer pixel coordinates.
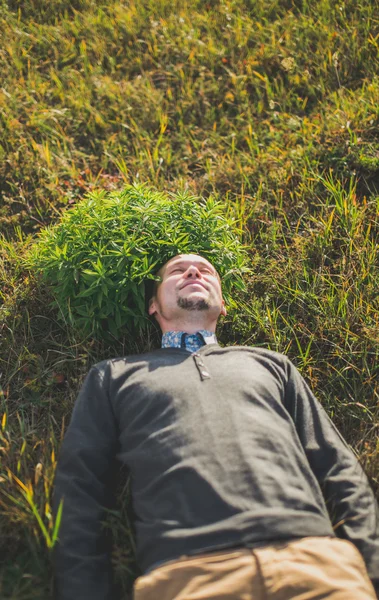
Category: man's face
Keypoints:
(189, 284)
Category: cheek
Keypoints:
(167, 291)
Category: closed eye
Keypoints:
(181, 269)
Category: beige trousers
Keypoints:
(310, 568)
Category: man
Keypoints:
(242, 487)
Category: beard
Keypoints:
(188, 304)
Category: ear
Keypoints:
(152, 306)
(223, 309)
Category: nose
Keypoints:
(192, 271)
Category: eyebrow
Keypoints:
(183, 262)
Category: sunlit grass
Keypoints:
(270, 107)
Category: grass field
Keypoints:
(272, 107)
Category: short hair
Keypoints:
(156, 284)
(151, 286)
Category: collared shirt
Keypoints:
(191, 342)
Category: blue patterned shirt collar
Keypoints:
(188, 341)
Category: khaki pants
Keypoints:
(310, 568)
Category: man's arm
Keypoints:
(81, 558)
(349, 497)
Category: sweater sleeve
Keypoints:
(83, 479)
(348, 495)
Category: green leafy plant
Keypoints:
(102, 254)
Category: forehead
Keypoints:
(186, 259)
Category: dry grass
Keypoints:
(271, 107)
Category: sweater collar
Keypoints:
(188, 341)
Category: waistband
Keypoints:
(227, 549)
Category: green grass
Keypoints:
(270, 107)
